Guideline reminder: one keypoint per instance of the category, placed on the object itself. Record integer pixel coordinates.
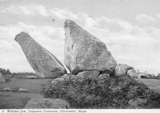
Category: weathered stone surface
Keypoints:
(132, 73)
(103, 76)
(84, 52)
(88, 74)
(122, 69)
(47, 103)
(42, 61)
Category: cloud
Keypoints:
(131, 44)
(26, 10)
(12, 56)
(62, 14)
(33, 10)
(158, 16)
(3, 0)
(145, 18)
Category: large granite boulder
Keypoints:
(41, 103)
(84, 52)
(132, 73)
(42, 61)
(121, 69)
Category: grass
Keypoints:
(33, 85)
(87, 94)
(11, 100)
(153, 84)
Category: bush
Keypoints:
(5, 71)
(112, 92)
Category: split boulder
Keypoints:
(42, 61)
(84, 52)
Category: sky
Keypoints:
(129, 28)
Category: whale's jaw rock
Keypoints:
(84, 52)
(41, 60)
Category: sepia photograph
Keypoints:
(79, 54)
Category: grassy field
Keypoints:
(13, 100)
(153, 84)
(19, 99)
(33, 85)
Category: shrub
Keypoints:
(112, 92)
(5, 71)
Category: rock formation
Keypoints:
(132, 73)
(42, 61)
(42, 103)
(122, 69)
(88, 74)
(84, 52)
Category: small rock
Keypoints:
(23, 90)
(103, 76)
(122, 69)
(88, 74)
(132, 73)
(47, 103)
